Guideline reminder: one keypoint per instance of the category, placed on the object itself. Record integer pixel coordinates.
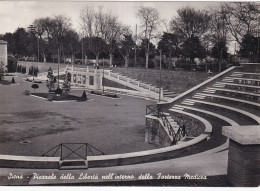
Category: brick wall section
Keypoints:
(243, 164)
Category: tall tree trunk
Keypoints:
(97, 59)
(146, 59)
(126, 61)
(110, 59)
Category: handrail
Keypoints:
(176, 136)
(59, 150)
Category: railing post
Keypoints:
(61, 151)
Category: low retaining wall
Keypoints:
(12, 161)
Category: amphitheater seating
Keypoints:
(238, 86)
(233, 99)
(228, 92)
(250, 103)
(229, 121)
(250, 115)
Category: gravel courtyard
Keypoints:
(31, 126)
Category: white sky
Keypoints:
(14, 14)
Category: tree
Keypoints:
(149, 20)
(20, 37)
(125, 47)
(190, 23)
(241, 18)
(94, 27)
(12, 64)
(248, 47)
(170, 45)
(9, 37)
(219, 50)
(2, 71)
(192, 49)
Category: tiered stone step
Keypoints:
(235, 74)
(167, 93)
(198, 96)
(73, 164)
(228, 79)
(231, 122)
(188, 102)
(219, 85)
(209, 90)
(242, 112)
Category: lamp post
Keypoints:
(135, 43)
(103, 77)
(160, 76)
(32, 29)
(82, 48)
(257, 54)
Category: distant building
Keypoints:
(3, 52)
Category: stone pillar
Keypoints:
(3, 53)
(244, 155)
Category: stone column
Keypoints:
(244, 155)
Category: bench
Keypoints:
(234, 78)
(231, 99)
(240, 85)
(234, 91)
(229, 121)
(208, 126)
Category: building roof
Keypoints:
(3, 42)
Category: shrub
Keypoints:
(12, 64)
(23, 69)
(35, 86)
(84, 96)
(33, 71)
(58, 90)
(185, 64)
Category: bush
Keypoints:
(23, 69)
(35, 86)
(58, 90)
(84, 96)
(12, 64)
(185, 64)
(33, 71)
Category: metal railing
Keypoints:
(156, 111)
(79, 150)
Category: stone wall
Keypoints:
(3, 52)
(155, 133)
(244, 155)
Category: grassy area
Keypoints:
(62, 97)
(176, 81)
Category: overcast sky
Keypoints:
(14, 14)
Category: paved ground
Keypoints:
(112, 125)
(211, 165)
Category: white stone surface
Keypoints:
(3, 52)
(245, 135)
